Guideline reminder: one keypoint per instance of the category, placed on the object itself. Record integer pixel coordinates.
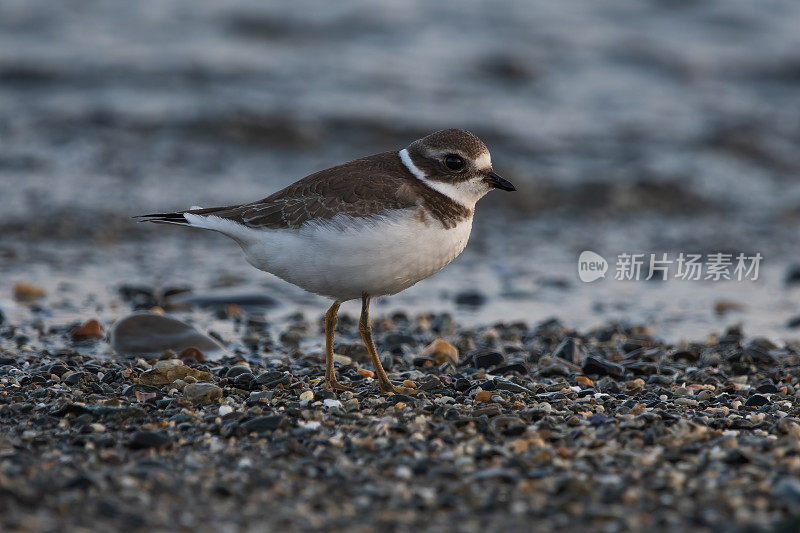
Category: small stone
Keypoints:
(767, 388)
(514, 368)
(756, 400)
(342, 359)
(147, 439)
(262, 424)
(245, 381)
(366, 373)
(566, 350)
(25, 292)
(142, 396)
(237, 371)
(583, 380)
(793, 275)
(723, 307)
(686, 402)
(470, 299)
(704, 395)
(637, 383)
(554, 370)
(330, 402)
(202, 393)
(90, 330)
(483, 396)
(192, 353)
(273, 378)
(597, 419)
(168, 364)
(225, 410)
(259, 396)
(487, 359)
(307, 395)
(150, 333)
(410, 384)
(500, 384)
(167, 371)
(598, 365)
(431, 382)
(441, 351)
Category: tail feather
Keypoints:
(178, 216)
(219, 219)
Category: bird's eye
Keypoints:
(453, 162)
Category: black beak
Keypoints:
(499, 183)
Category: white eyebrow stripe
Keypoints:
(445, 188)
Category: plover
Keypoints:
(371, 227)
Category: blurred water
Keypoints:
(648, 125)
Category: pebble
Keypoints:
(704, 395)
(237, 370)
(90, 330)
(441, 351)
(603, 367)
(486, 358)
(756, 400)
(202, 393)
(262, 424)
(192, 353)
(25, 292)
(470, 299)
(637, 383)
(148, 439)
(483, 396)
(342, 359)
(501, 384)
(166, 372)
(150, 333)
(307, 395)
(566, 350)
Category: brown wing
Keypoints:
(360, 188)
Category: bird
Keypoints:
(370, 227)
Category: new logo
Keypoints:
(591, 266)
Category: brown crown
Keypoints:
(453, 139)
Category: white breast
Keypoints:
(346, 257)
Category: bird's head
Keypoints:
(456, 163)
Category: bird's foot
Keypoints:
(334, 385)
(388, 387)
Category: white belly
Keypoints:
(347, 257)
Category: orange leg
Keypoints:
(366, 334)
(330, 373)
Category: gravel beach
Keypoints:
(514, 426)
